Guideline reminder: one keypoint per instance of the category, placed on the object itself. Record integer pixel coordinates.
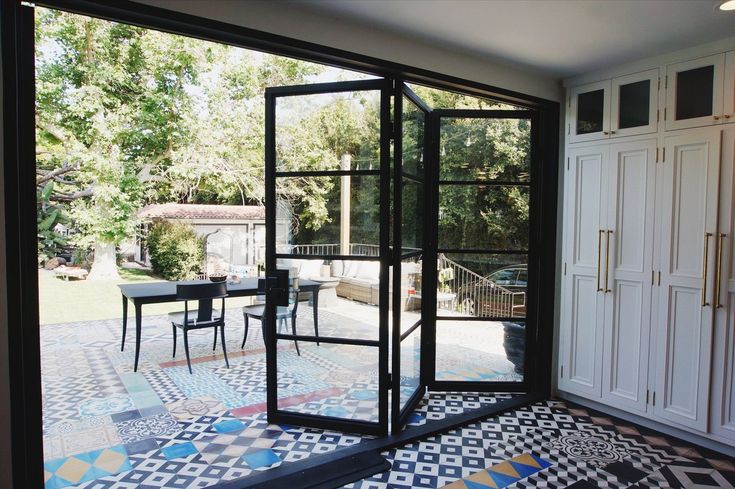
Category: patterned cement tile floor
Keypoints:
(107, 426)
(555, 445)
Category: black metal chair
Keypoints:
(203, 317)
(283, 313)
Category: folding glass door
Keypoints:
(482, 249)
(328, 223)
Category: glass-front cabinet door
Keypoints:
(634, 104)
(589, 112)
(694, 92)
(729, 95)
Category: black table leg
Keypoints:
(138, 320)
(315, 305)
(125, 321)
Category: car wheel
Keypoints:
(468, 306)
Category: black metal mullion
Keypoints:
(489, 319)
(397, 247)
(270, 254)
(430, 258)
(483, 114)
(328, 339)
(323, 88)
(327, 173)
(326, 256)
(480, 251)
(485, 183)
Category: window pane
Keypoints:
(482, 285)
(634, 104)
(480, 351)
(590, 106)
(329, 131)
(485, 149)
(483, 217)
(414, 121)
(315, 226)
(412, 215)
(694, 91)
(410, 365)
(339, 381)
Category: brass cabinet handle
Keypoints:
(727, 116)
(607, 260)
(704, 267)
(599, 259)
(718, 271)
(717, 117)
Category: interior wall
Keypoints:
(296, 22)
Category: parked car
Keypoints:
(501, 293)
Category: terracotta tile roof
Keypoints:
(202, 211)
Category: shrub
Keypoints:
(175, 250)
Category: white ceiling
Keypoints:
(560, 38)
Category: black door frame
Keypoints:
(275, 415)
(17, 24)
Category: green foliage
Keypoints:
(175, 250)
(50, 243)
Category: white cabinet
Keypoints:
(608, 258)
(688, 223)
(623, 106)
(729, 91)
(585, 217)
(694, 92)
(723, 371)
(628, 265)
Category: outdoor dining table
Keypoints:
(160, 292)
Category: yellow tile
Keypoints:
(73, 469)
(526, 459)
(505, 468)
(110, 461)
(482, 477)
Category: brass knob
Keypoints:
(612, 132)
(605, 133)
(727, 116)
(717, 117)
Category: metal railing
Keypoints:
(467, 292)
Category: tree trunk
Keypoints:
(104, 266)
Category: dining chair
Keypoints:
(283, 313)
(205, 316)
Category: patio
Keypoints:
(106, 426)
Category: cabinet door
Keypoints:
(589, 112)
(723, 372)
(628, 266)
(581, 339)
(633, 104)
(688, 223)
(729, 92)
(694, 92)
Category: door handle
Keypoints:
(718, 271)
(599, 259)
(704, 266)
(607, 260)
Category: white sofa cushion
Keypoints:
(369, 270)
(310, 268)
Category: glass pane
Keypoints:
(482, 285)
(340, 381)
(590, 107)
(413, 213)
(694, 92)
(315, 225)
(410, 292)
(414, 121)
(330, 131)
(634, 104)
(483, 217)
(410, 365)
(484, 351)
(348, 297)
(485, 149)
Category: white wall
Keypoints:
(295, 22)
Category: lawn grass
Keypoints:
(83, 300)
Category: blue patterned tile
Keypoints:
(262, 459)
(204, 383)
(229, 425)
(179, 450)
(107, 405)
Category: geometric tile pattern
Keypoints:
(503, 474)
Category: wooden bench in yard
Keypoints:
(73, 272)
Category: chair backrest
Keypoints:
(204, 293)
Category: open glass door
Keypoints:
(327, 366)
(482, 251)
(409, 153)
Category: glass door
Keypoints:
(482, 250)
(328, 225)
(409, 152)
